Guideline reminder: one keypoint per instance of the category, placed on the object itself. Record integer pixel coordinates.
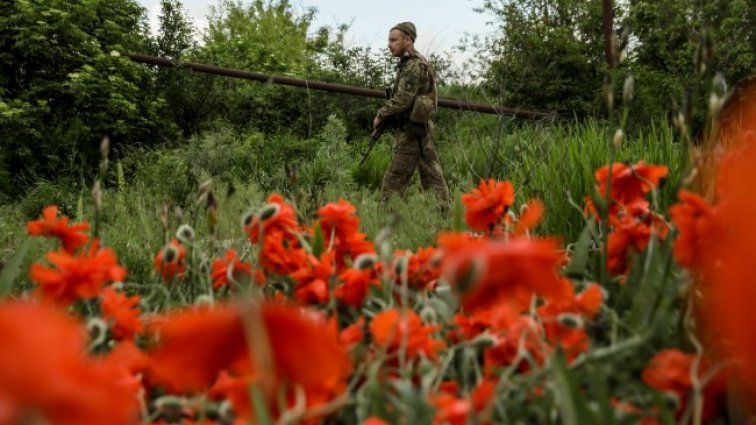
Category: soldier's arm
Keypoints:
(409, 83)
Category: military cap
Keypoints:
(407, 28)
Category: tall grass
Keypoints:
(552, 162)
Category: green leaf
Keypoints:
(579, 262)
(458, 223)
(11, 270)
(571, 404)
(318, 244)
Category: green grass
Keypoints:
(552, 162)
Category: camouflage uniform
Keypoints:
(413, 145)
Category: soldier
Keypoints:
(410, 108)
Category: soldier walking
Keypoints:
(413, 102)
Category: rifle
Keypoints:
(378, 131)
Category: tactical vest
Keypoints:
(426, 101)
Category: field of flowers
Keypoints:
(643, 319)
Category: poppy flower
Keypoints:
(339, 225)
(630, 182)
(46, 375)
(122, 312)
(626, 234)
(339, 219)
(281, 256)
(71, 237)
(353, 334)
(487, 204)
(698, 226)
(169, 262)
(355, 285)
(374, 420)
(275, 217)
(313, 277)
(320, 375)
(670, 371)
(450, 409)
(728, 292)
(530, 217)
(422, 268)
(488, 272)
(523, 335)
(230, 267)
(75, 277)
(194, 346)
(391, 328)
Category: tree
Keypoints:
(547, 54)
(187, 94)
(63, 86)
(680, 46)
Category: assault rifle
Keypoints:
(379, 130)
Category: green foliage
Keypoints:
(552, 163)
(679, 46)
(62, 87)
(550, 55)
(545, 55)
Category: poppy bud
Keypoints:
(570, 320)
(268, 211)
(170, 254)
(185, 233)
(247, 218)
(628, 89)
(365, 261)
(619, 135)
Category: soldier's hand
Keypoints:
(376, 121)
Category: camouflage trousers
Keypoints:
(414, 148)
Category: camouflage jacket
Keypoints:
(415, 76)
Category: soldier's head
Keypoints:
(402, 38)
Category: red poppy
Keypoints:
(72, 237)
(195, 345)
(391, 328)
(489, 272)
(487, 204)
(523, 335)
(671, 371)
(169, 262)
(630, 233)
(728, 291)
(530, 217)
(626, 409)
(422, 268)
(630, 182)
(353, 335)
(698, 226)
(275, 217)
(122, 312)
(78, 276)
(563, 319)
(45, 374)
(355, 286)
(339, 226)
(374, 420)
(495, 319)
(230, 267)
(339, 219)
(280, 256)
(450, 410)
(313, 277)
